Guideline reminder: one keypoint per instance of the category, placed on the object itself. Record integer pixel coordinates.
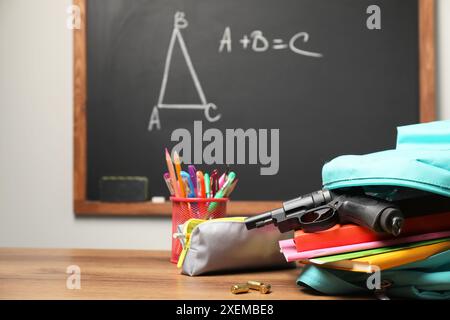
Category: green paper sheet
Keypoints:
(371, 252)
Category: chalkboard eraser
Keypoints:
(158, 199)
(123, 189)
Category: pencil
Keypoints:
(176, 159)
(172, 178)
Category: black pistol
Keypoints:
(320, 210)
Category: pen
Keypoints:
(189, 186)
(169, 183)
(207, 185)
(192, 173)
(176, 159)
(173, 180)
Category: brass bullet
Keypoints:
(262, 287)
(239, 288)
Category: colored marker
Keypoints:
(222, 192)
(222, 180)
(189, 186)
(201, 193)
(173, 179)
(214, 182)
(192, 173)
(176, 159)
(226, 186)
(207, 185)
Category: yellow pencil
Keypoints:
(176, 160)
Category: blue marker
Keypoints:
(190, 190)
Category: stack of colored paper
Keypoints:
(354, 248)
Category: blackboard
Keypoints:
(345, 94)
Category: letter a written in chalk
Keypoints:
(154, 120)
(225, 42)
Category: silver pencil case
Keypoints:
(225, 245)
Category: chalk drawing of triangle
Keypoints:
(181, 23)
(178, 38)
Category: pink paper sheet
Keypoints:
(290, 252)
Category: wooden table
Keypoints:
(126, 274)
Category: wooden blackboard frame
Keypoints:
(83, 206)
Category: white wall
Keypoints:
(443, 58)
(36, 135)
(36, 139)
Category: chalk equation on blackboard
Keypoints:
(180, 22)
(259, 43)
(256, 42)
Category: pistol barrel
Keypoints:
(305, 202)
(260, 220)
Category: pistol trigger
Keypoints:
(322, 212)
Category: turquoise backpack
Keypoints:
(419, 164)
(420, 161)
(426, 279)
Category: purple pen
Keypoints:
(193, 174)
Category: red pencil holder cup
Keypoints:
(184, 209)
